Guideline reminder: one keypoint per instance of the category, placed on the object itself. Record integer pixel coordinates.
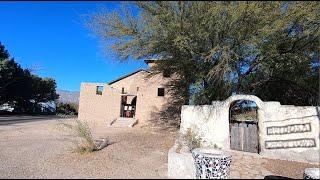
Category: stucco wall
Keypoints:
(148, 101)
(104, 108)
(180, 162)
(285, 132)
(99, 109)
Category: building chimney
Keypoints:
(150, 62)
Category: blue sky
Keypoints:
(51, 39)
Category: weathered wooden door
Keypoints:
(244, 137)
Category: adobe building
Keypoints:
(129, 100)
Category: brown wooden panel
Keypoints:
(251, 138)
(244, 137)
(255, 138)
(236, 140)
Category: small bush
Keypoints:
(67, 109)
(193, 140)
(246, 116)
(87, 144)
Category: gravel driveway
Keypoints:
(41, 149)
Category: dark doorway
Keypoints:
(128, 106)
(243, 119)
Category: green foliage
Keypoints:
(216, 49)
(67, 108)
(246, 116)
(193, 140)
(21, 89)
(12, 78)
(269, 49)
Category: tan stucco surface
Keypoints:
(106, 107)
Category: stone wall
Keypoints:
(285, 131)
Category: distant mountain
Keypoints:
(68, 96)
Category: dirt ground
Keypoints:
(42, 149)
(288, 169)
(247, 165)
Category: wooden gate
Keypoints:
(244, 137)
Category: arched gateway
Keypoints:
(283, 131)
(243, 122)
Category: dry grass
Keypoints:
(192, 139)
(87, 144)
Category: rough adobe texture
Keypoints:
(106, 107)
(99, 109)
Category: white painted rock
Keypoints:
(311, 173)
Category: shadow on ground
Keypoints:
(15, 119)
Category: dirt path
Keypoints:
(251, 166)
(42, 150)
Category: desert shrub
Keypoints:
(192, 139)
(245, 116)
(87, 144)
(67, 108)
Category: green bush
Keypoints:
(67, 108)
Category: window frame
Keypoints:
(161, 92)
(99, 92)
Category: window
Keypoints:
(166, 73)
(137, 88)
(122, 91)
(99, 90)
(160, 91)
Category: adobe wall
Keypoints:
(98, 109)
(148, 102)
(285, 132)
(104, 108)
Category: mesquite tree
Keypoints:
(269, 49)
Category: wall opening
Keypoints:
(128, 106)
(99, 90)
(243, 125)
(160, 91)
